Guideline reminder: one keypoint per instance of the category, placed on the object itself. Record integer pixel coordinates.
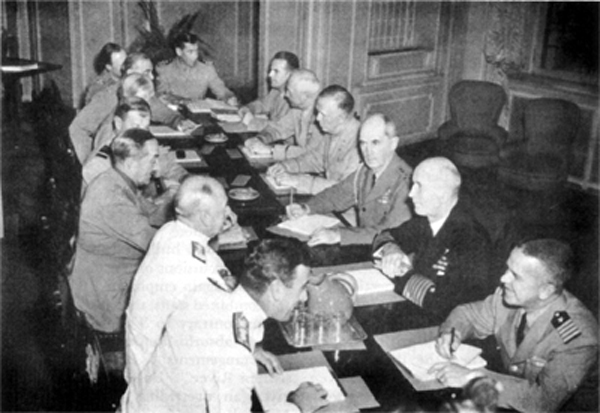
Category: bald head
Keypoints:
(201, 203)
(436, 183)
(302, 89)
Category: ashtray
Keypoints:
(216, 138)
(243, 194)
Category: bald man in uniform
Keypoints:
(193, 335)
(547, 339)
(296, 132)
(439, 258)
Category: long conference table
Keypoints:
(368, 362)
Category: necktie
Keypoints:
(521, 329)
(373, 179)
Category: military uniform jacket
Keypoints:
(92, 127)
(274, 105)
(190, 335)
(335, 158)
(449, 269)
(100, 82)
(182, 81)
(377, 208)
(114, 232)
(553, 358)
(297, 132)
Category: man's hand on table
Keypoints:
(451, 374)
(233, 101)
(276, 169)
(257, 146)
(187, 126)
(295, 211)
(268, 360)
(325, 236)
(309, 397)
(230, 219)
(394, 262)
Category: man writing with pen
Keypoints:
(548, 340)
(439, 258)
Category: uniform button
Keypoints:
(364, 209)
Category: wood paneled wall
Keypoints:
(230, 28)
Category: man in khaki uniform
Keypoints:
(377, 190)
(185, 78)
(547, 339)
(337, 155)
(296, 132)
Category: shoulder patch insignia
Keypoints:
(565, 327)
(229, 279)
(198, 251)
(241, 330)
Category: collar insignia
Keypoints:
(241, 330)
(198, 251)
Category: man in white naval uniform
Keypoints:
(191, 333)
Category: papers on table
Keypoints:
(220, 110)
(371, 281)
(419, 358)
(187, 156)
(275, 187)
(206, 105)
(255, 156)
(273, 391)
(163, 131)
(241, 127)
(308, 224)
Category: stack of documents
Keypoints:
(252, 155)
(371, 281)
(273, 391)
(419, 359)
(308, 224)
(163, 131)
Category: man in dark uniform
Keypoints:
(439, 258)
(547, 339)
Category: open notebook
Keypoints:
(273, 391)
(371, 281)
(418, 359)
(308, 224)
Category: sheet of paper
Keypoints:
(241, 180)
(419, 358)
(163, 131)
(308, 224)
(241, 127)
(250, 155)
(371, 281)
(233, 153)
(206, 105)
(273, 391)
(234, 235)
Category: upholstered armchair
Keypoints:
(472, 136)
(539, 160)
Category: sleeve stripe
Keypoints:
(417, 288)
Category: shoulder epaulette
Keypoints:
(565, 326)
